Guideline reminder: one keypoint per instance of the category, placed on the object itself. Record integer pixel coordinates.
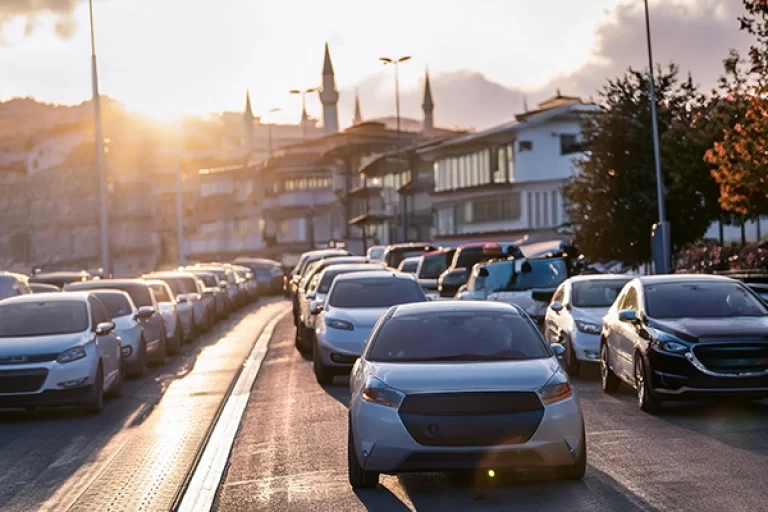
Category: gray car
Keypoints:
(12, 284)
(143, 297)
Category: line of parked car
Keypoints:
(459, 358)
(69, 338)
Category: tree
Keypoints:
(612, 201)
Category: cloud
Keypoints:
(29, 10)
(696, 34)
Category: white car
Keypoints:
(58, 349)
(184, 307)
(353, 306)
(445, 386)
(574, 318)
(166, 305)
(409, 265)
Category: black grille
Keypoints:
(733, 357)
(22, 381)
(472, 419)
(447, 461)
(36, 358)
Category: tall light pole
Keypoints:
(106, 261)
(303, 94)
(182, 253)
(396, 63)
(269, 129)
(663, 224)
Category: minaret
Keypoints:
(248, 122)
(429, 108)
(329, 96)
(358, 113)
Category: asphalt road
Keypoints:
(138, 452)
(290, 455)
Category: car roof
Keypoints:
(411, 259)
(353, 266)
(104, 283)
(417, 308)
(13, 275)
(409, 245)
(684, 278)
(43, 297)
(374, 274)
(169, 273)
(601, 277)
(155, 281)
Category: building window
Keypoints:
(545, 208)
(555, 208)
(498, 174)
(510, 162)
(569, 144)
(525, 145)
(529, 208)
(445, 221)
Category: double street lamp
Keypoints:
(303, 93)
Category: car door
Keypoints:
(108, 344)
(625, 334)
(554, 320)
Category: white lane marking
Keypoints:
(201, 492)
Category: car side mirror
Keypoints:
(145, 312)
(316, 309)
(556, 306)
(104, 328)
(558, 349)
(628, 315)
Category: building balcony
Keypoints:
(293, 203)
(418, 186)
(371, 218)
(223, 244)
(365, 192)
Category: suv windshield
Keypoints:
(116, 304)
(375, 293)
(503, 277)
(701, 300)
(42, 318)
(457, 336)
(599, 293)
(433, 265)
(468, 256)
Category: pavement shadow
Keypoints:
(380, 499)
(339, 390)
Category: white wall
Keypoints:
(544, 162)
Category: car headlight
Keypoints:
(339, 324)
(72, 354)
(588, 327)
(557, 389)
(376, 392)
(668, 343)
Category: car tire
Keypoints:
(646, 400)
(609, 381)
(323, 374)
(572, 364)
(118, 387)
(578, 469)
(359, 478)
(94, 404)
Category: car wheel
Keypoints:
(610, 382)
(579, 467)
(645, 399)
(323, 374)
(94, 404)
(572, 364)
(118, 387)
(358, 477)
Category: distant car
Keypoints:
(396, 253)
(58, 349)
(43, 288)
(431, 265)
(12, 284)
(188, 305)
(60, 278)
(409, 265)
(376, 253)
(447, 386)
(574, 318)
(685, 337)
(354, 304)
(212, 288)
(167, 307)
(268, 273)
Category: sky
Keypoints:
(167, 58)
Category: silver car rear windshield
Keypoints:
(42, 318)
(375, 293)
(457, 336)
(115, 303)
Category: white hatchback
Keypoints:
(57, 349)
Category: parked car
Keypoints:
(461, 386)
(212, 288)
(185, 295)
(376, 253)
(431, 265)
(12, 284)
(409, 265)
(297, 273)
(60, 278)
(142, 296)
(43, 288)
(166, 303)
(58, 349)
(268, 273)
(396, 253)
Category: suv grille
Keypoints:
(22, 381)
(733, 357)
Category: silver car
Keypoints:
(126, 317)
(12, 284)
(57, 349)
(353, 306)
(461, 386)
(184, 307)
(167, 308)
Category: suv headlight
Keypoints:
(339, 324)
(588, 327)
(668, 343)
(376, 392)
(557, 389)
(72, 354)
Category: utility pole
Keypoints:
(182, 256)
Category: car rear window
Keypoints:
(433, 266)
(375, 293)
(469, 256)
(457, 336)
(701, 300)
(329, 275)
(409, 266)
(42, 318)
(161, 293)
(117, 305)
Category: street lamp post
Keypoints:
(303, 94)
(106, 262)
(396, 63)
(269, 130)
(663, 224)
(182, 253)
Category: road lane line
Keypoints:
(204, 484)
